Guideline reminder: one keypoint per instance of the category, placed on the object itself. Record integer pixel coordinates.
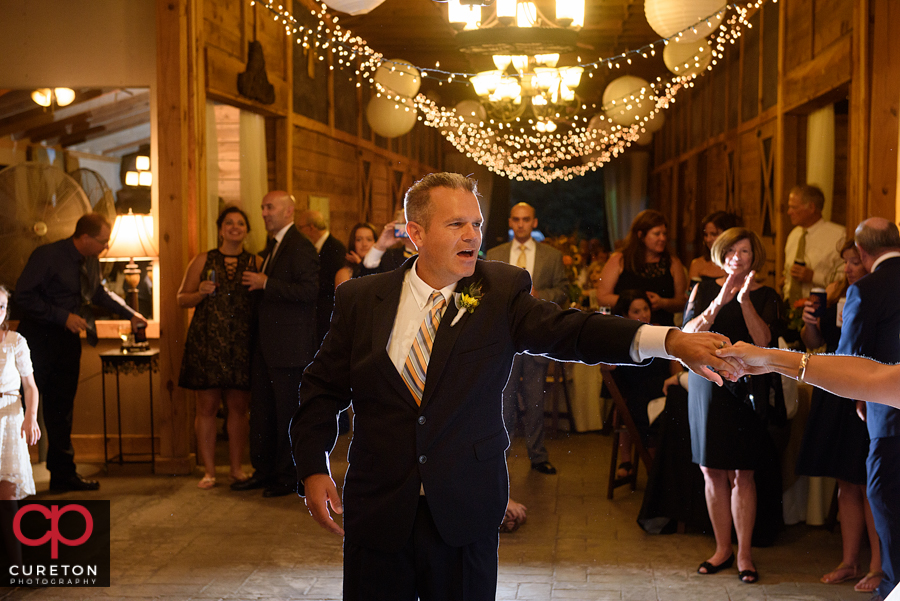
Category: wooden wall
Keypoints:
(737, 139)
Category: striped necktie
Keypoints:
(420, 352)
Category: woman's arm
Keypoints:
(759, 330)
(30, 429)
(850, 377)
(192, 290)
(703, 322)
(609, 276)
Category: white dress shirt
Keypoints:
(530, 250)
(321, 241)
(824, 240)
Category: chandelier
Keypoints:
(525, 47)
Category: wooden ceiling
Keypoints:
(418, 31)
(110, 122)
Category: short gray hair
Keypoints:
(811, 194)
(875, 238)
(417, 202)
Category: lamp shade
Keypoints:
(389, 118)
(627, 100)
(353, 7)
(399, 77)
(131, 238)
(668, 17)
(687, 58)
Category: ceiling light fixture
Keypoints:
(46, 96)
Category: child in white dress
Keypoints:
(18, 428)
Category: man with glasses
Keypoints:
(54, 295)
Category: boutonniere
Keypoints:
(467, 300)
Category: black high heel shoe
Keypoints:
(711, 569)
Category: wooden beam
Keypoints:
(178, 206)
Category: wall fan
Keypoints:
(38, 204)
(98, 192)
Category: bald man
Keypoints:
(332, 256)
(872, 329)
(285, 293)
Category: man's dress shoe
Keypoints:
(73, 482)
(279, 490)
(253, 482)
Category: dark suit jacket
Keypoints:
(454, 443)
(550, 281)
(872, 329)
(332, 257)
(286, 308)
(392, 258)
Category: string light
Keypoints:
(539, 151)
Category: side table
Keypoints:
(131, 363)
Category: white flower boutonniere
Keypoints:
(467, 300)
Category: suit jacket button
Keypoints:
(422, 458)
(421, 420)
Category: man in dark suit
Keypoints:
(529, 372)
(872, 329)
(423, 353)
(332, 256)
(286, 291)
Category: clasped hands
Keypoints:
(705, 353)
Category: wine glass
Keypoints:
(124, 332)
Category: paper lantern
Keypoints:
(599, 126)
(644, 139)
(687, 58)
(471, 111)
(627, 100)
(353, 7)
(668, 17)
(655, 122)
(399, 76)
(391, 118)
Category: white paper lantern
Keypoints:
(471, 111)
(687, 58)
(353, 7)
(391, 118)
(627, 100)
(599, 126)
(645, 139)
(668, 17)
(655, 123)
(399, 76)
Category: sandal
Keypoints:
(625, 469)
(752, 576)
(869, 582)
(842, 573)
(207, 482)
(711, 569)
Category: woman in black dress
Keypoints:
(728, 434)
(362, 239)
(836, 441)
(216, 360)
(645, 264)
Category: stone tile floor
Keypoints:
(173, 541)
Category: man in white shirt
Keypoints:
(332, 256)
(529, 373)
(812, 251)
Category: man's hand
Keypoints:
(254, 280)
(138, 321)
(75, 323)
(320, 490)
(697, 352)
(387, 238)
(802, 273)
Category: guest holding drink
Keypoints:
(836, 441)
(728, 430)
(216, 362)
(645, 264)
(362, 239)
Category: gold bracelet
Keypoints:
(801, 373)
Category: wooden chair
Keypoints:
(622, 422)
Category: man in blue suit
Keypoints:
(872, 329)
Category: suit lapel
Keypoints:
(383, 316)
(285, 240)
(444, 341)
(538, 264)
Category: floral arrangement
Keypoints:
(795, 314)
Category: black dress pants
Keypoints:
(56, 355)
(425, 568)
(275, 398)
